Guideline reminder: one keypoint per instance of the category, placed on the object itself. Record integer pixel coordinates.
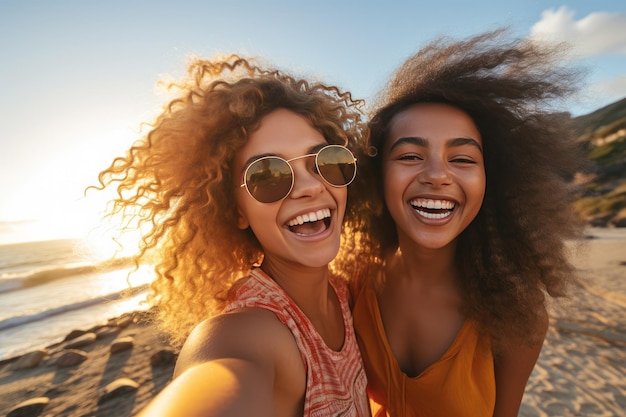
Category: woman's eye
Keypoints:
(461, 160)
(409, 157)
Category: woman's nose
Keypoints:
(307, 182)
(435, 172)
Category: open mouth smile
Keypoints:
(433, 209)
(310, 223)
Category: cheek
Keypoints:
(340, 195)
(481, 184)
(393, 194)
(476, 192)
(394, 180)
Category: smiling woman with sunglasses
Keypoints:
(243, 180)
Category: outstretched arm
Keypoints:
(234, 365)
(223, 387)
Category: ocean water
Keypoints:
(51, 287)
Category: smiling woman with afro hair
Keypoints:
(469, 232)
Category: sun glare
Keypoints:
(107, 243)
(112, 237)
(83, 220)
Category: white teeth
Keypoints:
(423, 203)
(310, 217)
(432, 204)
(434, 215)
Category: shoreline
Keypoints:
(581, 369)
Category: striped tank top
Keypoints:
(336, 381)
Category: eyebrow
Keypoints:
(311, 150)
(452, 143)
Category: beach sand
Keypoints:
(581, 370)
(582, 367)
(81, 389)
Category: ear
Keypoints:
(242, 220)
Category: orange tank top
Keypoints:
(460, 384)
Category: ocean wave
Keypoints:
(16, 256)
(34, 278)
(29, 318)
(11, 284)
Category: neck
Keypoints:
(429, 266)
(308, 287)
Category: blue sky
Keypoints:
(78, 77)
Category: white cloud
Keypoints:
(599, 94)
(595, 34)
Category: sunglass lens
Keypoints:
(337, 165)
(269, 179)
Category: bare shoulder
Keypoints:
(235, 364)
(251, 334)
(241, 363)
(244, 354)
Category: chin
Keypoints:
(319, 262)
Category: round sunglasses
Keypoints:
(270, 179)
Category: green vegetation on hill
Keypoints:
(602, 198)
(601, 122)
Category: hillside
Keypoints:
(602, 198)
(598, 122)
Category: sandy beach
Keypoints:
(582, 367)
(87, 387)
(115, 368)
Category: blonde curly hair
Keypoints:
(177, 179)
